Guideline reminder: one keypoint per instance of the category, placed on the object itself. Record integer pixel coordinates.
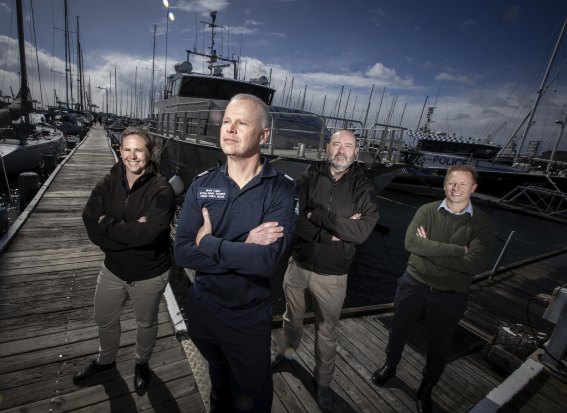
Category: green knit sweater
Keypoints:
(440, 260)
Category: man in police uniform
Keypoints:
(235, 230)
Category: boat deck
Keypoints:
(47, 282)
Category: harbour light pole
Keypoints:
(168, 16)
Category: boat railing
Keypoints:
(546, 203)
(296, 134)
(387, 141)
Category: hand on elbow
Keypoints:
(265, 234)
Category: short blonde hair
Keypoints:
(463, 168)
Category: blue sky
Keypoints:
(484, 59)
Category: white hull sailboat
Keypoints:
(24, 145)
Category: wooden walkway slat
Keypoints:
(47, 279)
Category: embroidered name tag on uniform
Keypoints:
(211, 193)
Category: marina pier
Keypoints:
(47, 283)
(48, 271)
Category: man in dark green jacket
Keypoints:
(337, 210)
(449, 242)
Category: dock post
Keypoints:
(49, 163)
(28, 182)
(301, 150)
(4, 225)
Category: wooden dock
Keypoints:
(47, 280)
(468, 377)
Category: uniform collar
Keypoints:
(267, 170)
(467, 210)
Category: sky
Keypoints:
(479, 63)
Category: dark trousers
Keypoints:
(442, 311)
(236, 344)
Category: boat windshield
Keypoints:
(220, 88)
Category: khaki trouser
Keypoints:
(110, 297)
(328, 294)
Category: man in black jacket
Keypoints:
(337, 209)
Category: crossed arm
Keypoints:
(462, 258)
(198, 248)
(115, 233)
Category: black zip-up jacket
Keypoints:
(134, 251)
(331, 204)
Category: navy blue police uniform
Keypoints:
(229, 306)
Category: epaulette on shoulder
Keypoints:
(204, 173)
(289, 177)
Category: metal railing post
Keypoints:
(504, 248)
(271, 141)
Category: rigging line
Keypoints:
(546, 121)
(523, 78)
(545, 89)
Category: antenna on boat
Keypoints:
(215, 69)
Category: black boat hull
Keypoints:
(493, 183)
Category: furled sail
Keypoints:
(19, 107)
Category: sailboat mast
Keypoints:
(540, 91)
(152, 94)
(68, 68)
(115, 93)
(24, 94)
(79, 80)
(368, 108)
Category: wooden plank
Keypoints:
(119, 391)
(65, 338)
(69, 351)
(56, 379)
(54, 323)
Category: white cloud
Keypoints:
(455, 78)
(388, 76)
(200, 6)
(253, 23)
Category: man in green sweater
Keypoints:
(449, 241)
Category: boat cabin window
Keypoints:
(221, 88)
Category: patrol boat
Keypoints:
(190, 112)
